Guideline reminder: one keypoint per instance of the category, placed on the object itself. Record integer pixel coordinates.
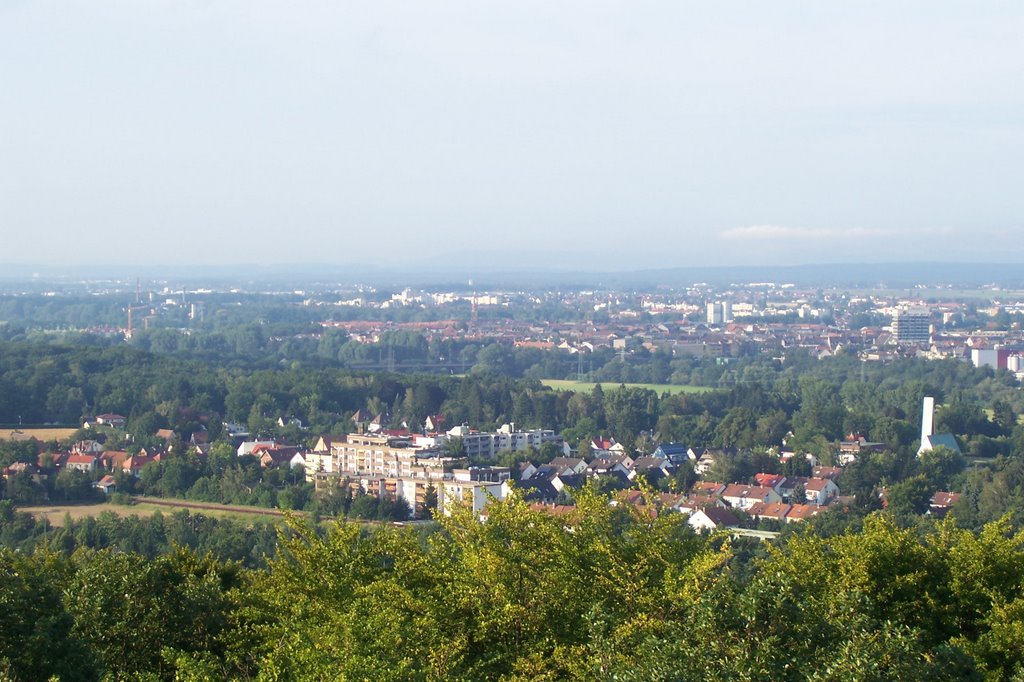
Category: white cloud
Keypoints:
(783, 232)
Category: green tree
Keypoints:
(130, 610)
(36, 639)
(910, 496)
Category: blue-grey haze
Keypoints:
(575, 133)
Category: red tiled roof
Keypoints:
(944, 499)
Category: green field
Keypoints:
(148, 506)
(586, 386)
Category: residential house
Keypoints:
(278, 455)
(547, 482)
(616, 464)
(941, 502)
(673, 452)
(787, 455)
(831, 473)
(654, 467)
(525, 470)
(695, 453)
(854, 446)
(820, 491)
(105, 485)
(638, 501)
(707, 488)
(712, 519)
(695, 501)
(51, 460)
(87, 447)
(116, 421)
(569, 465)
(776, 511)
(378, 423)
(606, 446)
(742, 496)
(16, 468)
(704, 462)
(246, 447)
(113, 459)
(85, 463)
(800, 512)
(236, 432)
(133, 465)
(776, 482)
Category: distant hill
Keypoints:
(455, 275)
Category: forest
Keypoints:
(603, 593)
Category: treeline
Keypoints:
(603, 593)
(250, 544)
(52, 382)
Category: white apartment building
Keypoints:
(489, 444)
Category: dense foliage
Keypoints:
(249, 544)
(758, 400)
(604, 593)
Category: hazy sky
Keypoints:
(593, 134)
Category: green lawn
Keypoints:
(145, 507)
(586, 386)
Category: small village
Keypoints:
(431, 471)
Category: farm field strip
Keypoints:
(147, 506)
(587, 386)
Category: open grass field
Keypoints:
(41, 434)
(55, 513)
(149, 506)
(586, 386)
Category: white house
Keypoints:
(84, 463)
(711, 519)
(744, 496)
(248, 446)
(820, 491)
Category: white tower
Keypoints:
(927, 417)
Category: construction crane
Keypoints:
(131, 308)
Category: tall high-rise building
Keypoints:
(719, 312)
(912, 326)
(715, 315)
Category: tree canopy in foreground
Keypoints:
(602, 592)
